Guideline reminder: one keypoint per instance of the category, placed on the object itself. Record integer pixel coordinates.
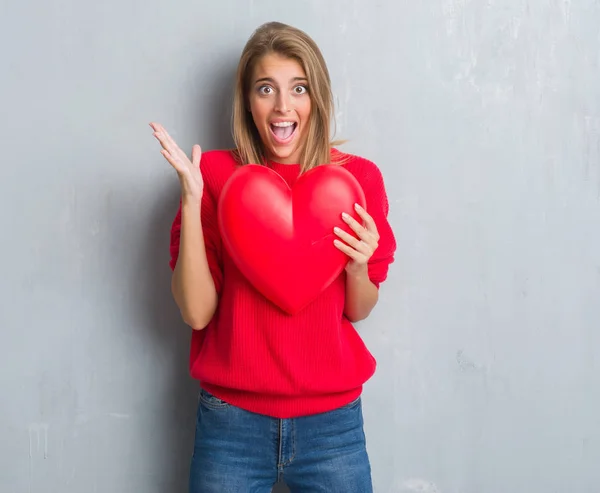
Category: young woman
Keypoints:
(280, 394)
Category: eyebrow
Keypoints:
(269, 79)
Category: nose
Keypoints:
(282, 104)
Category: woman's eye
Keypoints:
(300, 89)
(265, 90)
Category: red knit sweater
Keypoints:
(255, 356)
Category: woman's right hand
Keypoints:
(187, 171)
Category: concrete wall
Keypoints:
(485, 120)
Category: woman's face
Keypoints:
(280, 106)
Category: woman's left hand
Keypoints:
(358, 249)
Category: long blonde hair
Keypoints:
(290, 42)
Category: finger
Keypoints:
(351, 252)
(162, 141)
(155, 126)
(164, 138)
(173, 162)
(196, 154)
(367, 218)
(362, 246)
(158, 129)
(358, 228)
(168, 139)
(161, 135)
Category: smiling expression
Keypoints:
(280, 105)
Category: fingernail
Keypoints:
(356, 206)
(336, 229)
(345, 216)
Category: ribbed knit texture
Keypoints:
(255, 356)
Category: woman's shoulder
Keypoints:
(362, 168)
(217, 165)
(219, 158)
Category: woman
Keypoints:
(280, 394)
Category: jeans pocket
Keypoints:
(210, 401)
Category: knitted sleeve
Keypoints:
(210, 229)
(378, 208)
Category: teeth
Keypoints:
(282, 124)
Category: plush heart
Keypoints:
(281, 238)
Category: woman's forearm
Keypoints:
(192, 284)
(361, 295)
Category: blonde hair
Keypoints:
(290, 42)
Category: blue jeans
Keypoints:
(237, 451)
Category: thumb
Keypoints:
(196, 154)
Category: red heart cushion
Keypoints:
(281, 239)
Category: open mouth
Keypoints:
(283, 132)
